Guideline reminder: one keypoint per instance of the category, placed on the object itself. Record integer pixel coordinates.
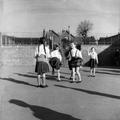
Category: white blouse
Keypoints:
(42, 51)
(57, 54)
(76, 52)
(93, 55)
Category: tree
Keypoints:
(83, 28)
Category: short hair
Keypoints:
(78, 46)
(55, 46)
(42, 40)
(92, 48)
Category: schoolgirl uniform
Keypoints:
(56, 59)
(76, 58)
(42, 66)
(93, 59)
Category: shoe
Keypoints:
(93, 76)
(44, 86)
(38, 86)
(79, 81)
(70, 78)
(72, 81)
(59, 80)
(89, 75)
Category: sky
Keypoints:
(30, 17)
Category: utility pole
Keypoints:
(43, 32)
(69, 33)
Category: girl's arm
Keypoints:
(97, 58)
(80, 54)
(36, 52)
(60, 57)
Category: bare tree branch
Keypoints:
(83, 28)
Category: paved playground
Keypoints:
(94, 99)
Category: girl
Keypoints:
(55, 61)
(42, 54)
(75, 62)
(93, 61)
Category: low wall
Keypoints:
(17, 55)
(24, 55)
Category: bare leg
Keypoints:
(78, 73)
(44, 79)
(38, 80)
(59, 75)
(93, 71)
(73, 74)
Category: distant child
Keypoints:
(93, 61)
(56, 61)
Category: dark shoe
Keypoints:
(72, 81)
(59, 80)
(79, 81)
(93, 76)
(89, 75)
(44, 86)
(38, 86)
(70, 78)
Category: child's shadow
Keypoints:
(54, 78)
(42, 112)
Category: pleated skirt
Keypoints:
(93, 63)
(41, 67)
(55, 63)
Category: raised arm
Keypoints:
(97, 58)
(89, 53)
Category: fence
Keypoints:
(28, 38)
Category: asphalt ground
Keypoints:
(95, 98)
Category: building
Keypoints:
(109, 40)
(53, 38)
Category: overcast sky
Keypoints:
(35, 15)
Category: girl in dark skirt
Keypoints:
(93, 61)
(75, 62)
(42, 53)
(55, 61)
(42, 67)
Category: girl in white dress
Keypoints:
(93, 61)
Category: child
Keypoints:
(93, 61)
(42, 66)
(56, 60)
(75, 62)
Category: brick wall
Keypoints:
(24, 55)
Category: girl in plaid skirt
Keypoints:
(56, 61)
